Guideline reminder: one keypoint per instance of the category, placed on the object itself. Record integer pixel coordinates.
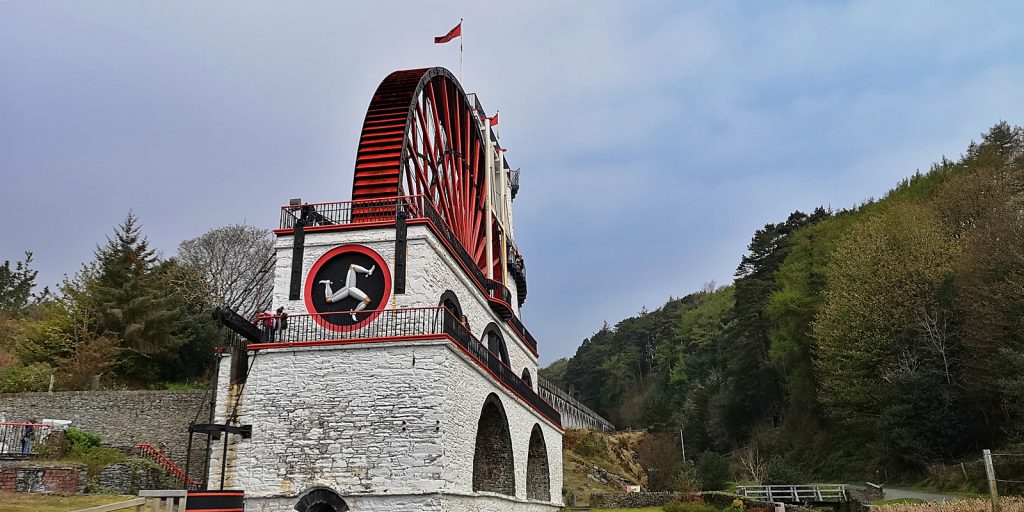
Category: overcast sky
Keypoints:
(653, 137)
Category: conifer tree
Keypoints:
(136, 304)
(16, 285)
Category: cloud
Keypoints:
(654, 137)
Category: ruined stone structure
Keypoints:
(403, 378)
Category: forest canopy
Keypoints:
(890, 335)
(127, 318)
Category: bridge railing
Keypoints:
(795, 493)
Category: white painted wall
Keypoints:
(371, 420)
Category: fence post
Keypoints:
(990, 472)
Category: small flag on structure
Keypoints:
(452, 34)
(502, 150)
(492, 120)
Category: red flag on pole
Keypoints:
(452, 34)
(492, 120)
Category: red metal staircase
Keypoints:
(172, 468)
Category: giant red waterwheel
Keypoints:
(421, 140)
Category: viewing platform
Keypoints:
(405, 324)
(413, 210)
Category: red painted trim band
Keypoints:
(415, 337)
(357, 341)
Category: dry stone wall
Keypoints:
(42, 479)
(122, 418)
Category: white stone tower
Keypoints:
(403, 378)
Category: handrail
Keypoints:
(12, 434)
(799, 493)
(159, 500)
(135, 503)
(313, 329)
(170, 466)
(340, 213)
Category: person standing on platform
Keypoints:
(26, 437)
(280, 323)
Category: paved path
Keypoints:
(892, 494)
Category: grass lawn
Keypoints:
(898, 501)
(647, 509)
(20, 502)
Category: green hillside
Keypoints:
(887, 339)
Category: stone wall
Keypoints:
(122, 418)
(42, 479)
(634, 499)
(132, 476)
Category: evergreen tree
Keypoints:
(16, 286)
(136, 303)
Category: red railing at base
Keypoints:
(171, 467)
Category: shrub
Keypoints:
(54, 446)
(568, 497)
(689, 506)
(30, 377)
(81, 440)
(97, 458)
(85, 448)
(684, 479)
(713, 470)
(779, 473)
(592, 444)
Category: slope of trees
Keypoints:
(885, 337)
(126, 318)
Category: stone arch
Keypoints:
(496, 342)
(494, 468)
(527, 378)
(538, 475)
(321, 500)
(450, 302)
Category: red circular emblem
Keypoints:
(347, 288)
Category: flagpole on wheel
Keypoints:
(452, 34)
(461, 37)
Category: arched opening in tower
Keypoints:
(496, 345)
(321, 500)
(452, 312)
(538, 478)
(493, 465)
(527, 378)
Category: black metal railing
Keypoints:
(494, 289)
(13, 438)
(345, 212)
(522, 331)
(398, 324)
(513, 180)
(386, 323)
